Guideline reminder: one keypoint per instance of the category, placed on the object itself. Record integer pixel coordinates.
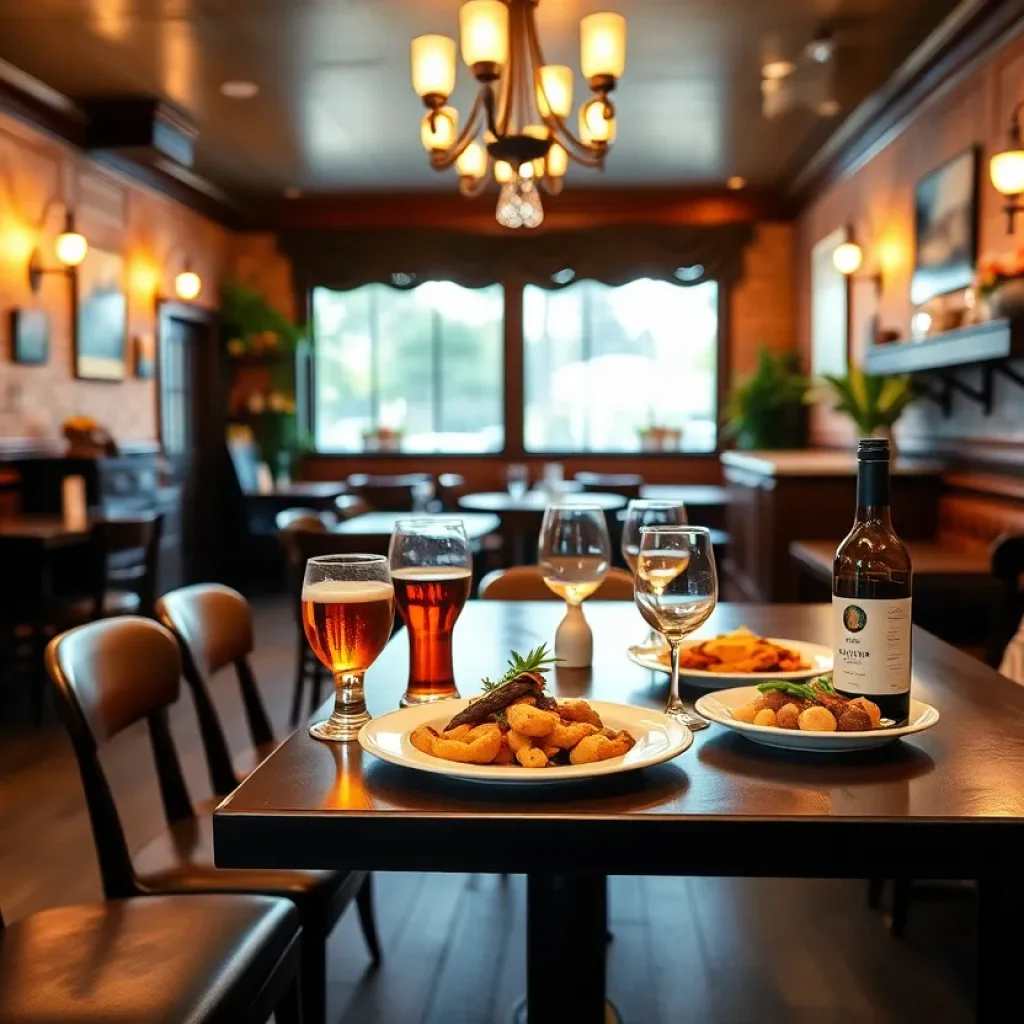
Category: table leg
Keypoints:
(1000, 920)
(566, 925)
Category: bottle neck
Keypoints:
(873, 492)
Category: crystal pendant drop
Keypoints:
(519, 204)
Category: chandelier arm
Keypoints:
(441, 160)
(526, 79)
(472, 187)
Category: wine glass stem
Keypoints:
(675, 702)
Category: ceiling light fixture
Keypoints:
(822, 48)
(735, 183)
(237, 89)
(522, 104)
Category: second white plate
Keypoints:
(819, 657)
(658, 738)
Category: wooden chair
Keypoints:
(406, 492)
(526, 583)
(202, 959)
(348, 506)
(304, 519)
(449, 487)
(116, 672)
(1008, 569)
(625, 484)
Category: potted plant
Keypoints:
(766, 411)
(873, 403)
(999, 281)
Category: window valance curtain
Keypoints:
(405, 258)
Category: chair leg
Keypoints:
(364, 905)
(876, 892)
(902, 890)
(300, 678)
(313, 977)
(289, 1006)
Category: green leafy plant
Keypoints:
(873, 403)
(766, 410)
(250, 324)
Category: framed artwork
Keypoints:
(30, 336)
(101, 316)
(830, 312)
(946, 228)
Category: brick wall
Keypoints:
(156, 235)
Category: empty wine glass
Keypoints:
(641, 512)
(574, 552)
(676, 588)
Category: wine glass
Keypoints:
(517, 480)
(574, 552)
(642, 512)
(676, 587)
(432, 573)
(347, 612)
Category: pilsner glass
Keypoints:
(347, 613)
(676, 588)
(432, 571)
(642, 512)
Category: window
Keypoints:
(426, 362)
(602, 364)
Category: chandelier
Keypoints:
(516, 128)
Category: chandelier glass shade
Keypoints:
(517, 128)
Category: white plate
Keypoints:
(718, 707)
(658, 738)
(820, 659)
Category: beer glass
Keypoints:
(347, 611)
(642, 512)
(676, 588)
(432, 571)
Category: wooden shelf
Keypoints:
(990, 342)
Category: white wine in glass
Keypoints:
(676, 589)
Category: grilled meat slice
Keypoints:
(527, 685)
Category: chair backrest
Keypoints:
(627, 485)
(304, 519)
(108, 675)
(526, 583)
(348, 506)
(213, 625)
(1008, 567)
(405, 492)
(125, 550)
(449, 488)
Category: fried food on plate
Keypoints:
(738, 652)
(599, 748)
(809, 707)
(565, 737)
(423, 739)
(480, 746)
(579, 711)
(531, 721)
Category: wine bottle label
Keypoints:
(871, 639)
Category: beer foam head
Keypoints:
(431, 573)
(347, 591)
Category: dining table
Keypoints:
(372, 531)
(947, 803)
(521, 514)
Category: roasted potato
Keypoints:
(817, 719)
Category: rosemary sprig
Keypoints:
(538, 660)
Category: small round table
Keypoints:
(522, 515)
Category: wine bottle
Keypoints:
(872, 580)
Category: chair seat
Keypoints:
(180, 860)
(158, 960)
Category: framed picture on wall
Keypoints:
(101, 316)
(946, 228)
(830, 308)
(30, 336)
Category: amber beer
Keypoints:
(430, 600)
(347, 622)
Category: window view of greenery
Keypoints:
(420, 369)
(620, 369)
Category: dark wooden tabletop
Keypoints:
(381, 524)
(946, 803)
(929, 559)
(40, 530)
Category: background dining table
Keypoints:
(948, 803)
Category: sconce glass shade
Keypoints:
(188, 285)
(594, 126)
(437, 129)
(603, 45)
(433, 66)
(554, 90)
(483, 32)
(472, 162)
(1007, 171)
(71, 248)
(847, 258)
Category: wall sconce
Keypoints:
(71, 248)
(188, 284)
(848, 258)
(1006, 169)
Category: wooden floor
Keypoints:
(707, 951)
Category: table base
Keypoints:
(566, 929)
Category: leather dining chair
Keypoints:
(627, 485)
(526, 583)
(112, 674)
(201, 959)
(405, 492)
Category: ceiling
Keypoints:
(336, 110)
